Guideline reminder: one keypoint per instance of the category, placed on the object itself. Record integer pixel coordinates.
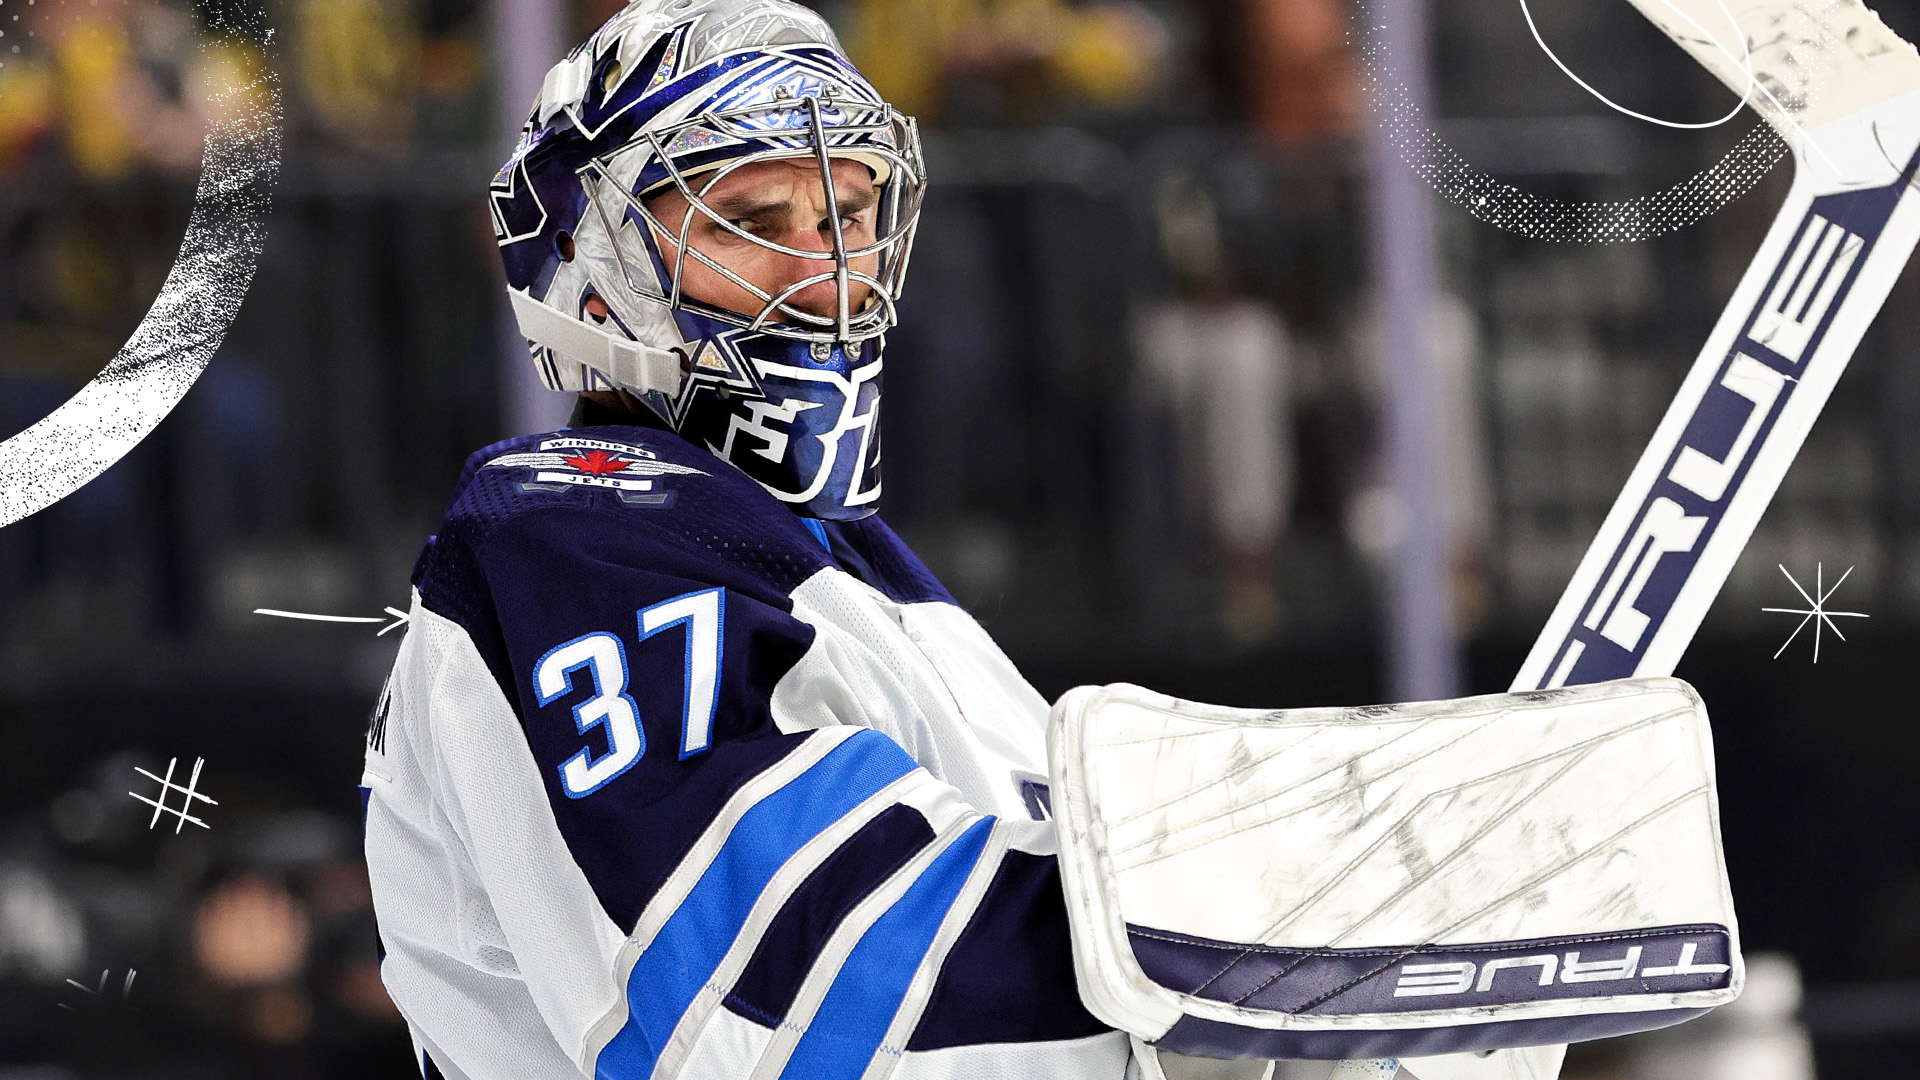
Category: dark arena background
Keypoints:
(1208, 515)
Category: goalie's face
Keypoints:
(783, 203)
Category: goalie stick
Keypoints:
(1844, 91)
(1851, 91)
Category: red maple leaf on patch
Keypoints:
(598, 463)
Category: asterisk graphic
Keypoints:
(1815, 612)
(166, 785)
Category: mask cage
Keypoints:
(789, 128)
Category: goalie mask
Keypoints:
(601, 210)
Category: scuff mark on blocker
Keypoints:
(173, 343)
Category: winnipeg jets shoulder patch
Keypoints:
(583, 462)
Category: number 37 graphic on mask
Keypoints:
(604, 659)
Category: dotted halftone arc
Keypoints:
(172, 345)
(1578, 221)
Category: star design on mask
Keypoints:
(717, 364)
(1816, 610)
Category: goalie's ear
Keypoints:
(1422, 879)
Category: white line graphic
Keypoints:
(126, 988)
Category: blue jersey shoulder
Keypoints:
(569, 500)
(875, 554)
(641, 498)
(641, 468)
(648, 493)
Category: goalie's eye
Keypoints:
(856, 209)
(753, 225)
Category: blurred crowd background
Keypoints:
(1131, 422)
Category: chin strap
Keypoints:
(627, 362)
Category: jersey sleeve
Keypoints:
(777, 899)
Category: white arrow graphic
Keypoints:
(399, 618)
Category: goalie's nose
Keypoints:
(821, 297)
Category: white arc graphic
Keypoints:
(1746, 65)
(170, 348)
(1816, 610)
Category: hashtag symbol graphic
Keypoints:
(166, 786)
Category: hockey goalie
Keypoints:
(689, 768)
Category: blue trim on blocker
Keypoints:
(1417, 978)
(847, 1030)
(669, 975)
(1474, 979)
(1212, 1038)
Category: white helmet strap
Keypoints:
(626, 362)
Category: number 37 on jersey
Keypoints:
(594, 668)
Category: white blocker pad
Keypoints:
(1395, 880)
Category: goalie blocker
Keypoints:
(1395, 880)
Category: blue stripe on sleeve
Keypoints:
(867, 992)
(684, 955)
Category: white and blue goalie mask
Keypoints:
(678, 95)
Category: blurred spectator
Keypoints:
(1285, 66)
(385, 78)
(359, 69)
(250, 936)
(243, 952)
(1013, 61)
(26, 108)
(1219, 360)
(250, 932)
(41, 935)
(128, 84)
(286, 943)
(453, 72)
(124, 90)
(1373, 522)
(1303, 85)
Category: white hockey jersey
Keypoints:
(669, 782)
